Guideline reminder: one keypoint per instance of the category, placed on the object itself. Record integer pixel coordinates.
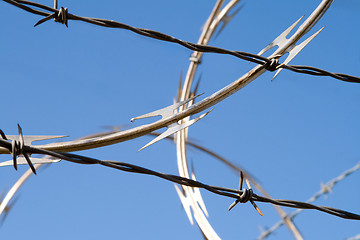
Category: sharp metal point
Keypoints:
(27, 158)
(240, 188)
(241, 180)
(13, 146)
(196, 88)
(248, 183)
(173, 128)
(198, 197)
(252, 202)
(226, 19)
(29, 139)
(179, 88)
(256, 207)
(22, 161)
(186, 204)
(165, 112)
(45, 19)
(296, 49)
(233, 204)
(281, 39)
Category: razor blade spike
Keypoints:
(186, 204)
(296, 49)
(226, 19)
(173, 128)
(198, 198)
(281, 39)
(29, 139)
(165, 112)
(22, 161)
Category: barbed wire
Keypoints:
(62, 15)
(270, 64)
(325, 189)
(241, 195)
(357, 237)
(6, 204)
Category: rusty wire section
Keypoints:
(325, 189)
(271, 64)
(227, 192)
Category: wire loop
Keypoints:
(61, 16)
(17, 148)
(272, 65)
(246, 195)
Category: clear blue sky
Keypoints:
(291, 133)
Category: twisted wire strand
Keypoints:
(357, 237)
(227, 192)
(267, 63)
(326, 188)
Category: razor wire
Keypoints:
(271, 64)
(241, 195)
(191, 199)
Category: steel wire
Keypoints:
(267, 63)
(227, 192)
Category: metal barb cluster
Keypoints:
(227, 192)
(59, 16)
(17, 148)
(325, 189)
(63, 16)
(246, 195)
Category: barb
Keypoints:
(63, 16)
(191, 197)
(246, 195)
(5, 204)
(226, 19)
(270, 65)
(17, 148)
(227, 192)
(60, 16)
(17, 143)
(173, 127)
(202, 105)
(325, 189)
(210, 27)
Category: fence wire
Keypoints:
(325, 189)
(357, 237)
(271, 64)
(17, 147)
(62, 15)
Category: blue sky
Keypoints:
(291, 133)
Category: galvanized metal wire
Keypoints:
(62, 15)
